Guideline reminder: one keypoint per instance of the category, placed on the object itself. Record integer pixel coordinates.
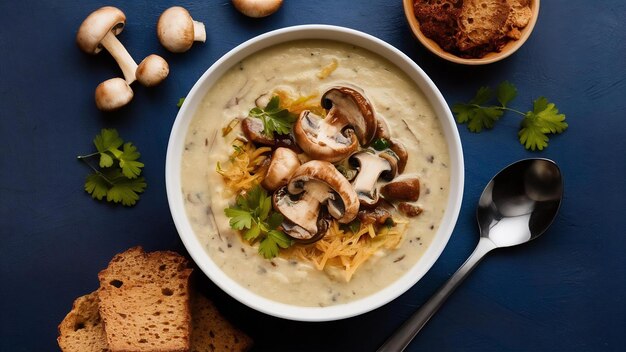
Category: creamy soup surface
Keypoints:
(296, 65)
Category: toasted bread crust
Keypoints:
(144, 301)
(81, 330)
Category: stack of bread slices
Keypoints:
(144, 303)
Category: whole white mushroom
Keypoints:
(177, 31)
(112, 94)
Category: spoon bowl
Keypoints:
(516, 206)
(520, 202)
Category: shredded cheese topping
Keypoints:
(245, 168)
(346, 250)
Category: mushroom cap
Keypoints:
(152, 70)
(326, 173)
(321, 140)
(112, 94)
(175, 29)
(352, 108)
(407, 189)
(97, 25)
(283, 164)
(253, 130)
(398, 148)
(257, 8)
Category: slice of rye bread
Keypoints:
(81, 330)
(482, 24)
(144, 301)
(211, 331)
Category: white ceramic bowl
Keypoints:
(176, 147)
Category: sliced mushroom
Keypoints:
(112, 94)
(349, 105)
(283, 164)
(314, 185)
(350, 121)
(177, 31)
(403, 156)
(372, 166)
(407, 189)
(253, 130)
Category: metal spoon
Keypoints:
(517, 205)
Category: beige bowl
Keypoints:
(507, 50)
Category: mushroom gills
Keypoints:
(305, 209)
(324, 133)
(371, 167)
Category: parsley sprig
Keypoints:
(275, 119)
(118, 176)
(253, 214)
(535, 127)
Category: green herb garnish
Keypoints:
(253, 214)
(180, 102)
(544, 119)
(117, 177)
(380, 144)
(274, 118)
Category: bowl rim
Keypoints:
(432, 46)
(192, 242)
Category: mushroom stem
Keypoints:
(121, 56)
(199, 33)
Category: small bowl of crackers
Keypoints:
(472, 32)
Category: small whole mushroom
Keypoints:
(99, 30)
(283, 164)
(407, 189)
(177, 31)
(152, 70)
(112, 94)
(257, 8)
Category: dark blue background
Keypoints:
(565, 291)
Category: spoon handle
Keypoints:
(405, 334)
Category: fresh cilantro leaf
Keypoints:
(275, 119)
(536, 124)
(544, 119)
(268, 248)
(252, 233)
(464, 112)
(126, 190)
(274, 220)
(97, 186)
(253, 211)
(108, 141)
(239, 218)
(482, 96)
(282, 240)
(128, 161)
(485, 117)
(548, 114)
(118, 182)
(506, 92)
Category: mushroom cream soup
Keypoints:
(312, 69)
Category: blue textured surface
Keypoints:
(565, 291)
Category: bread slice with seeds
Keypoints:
(211, 331)
(81, 330)
(144, 302)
